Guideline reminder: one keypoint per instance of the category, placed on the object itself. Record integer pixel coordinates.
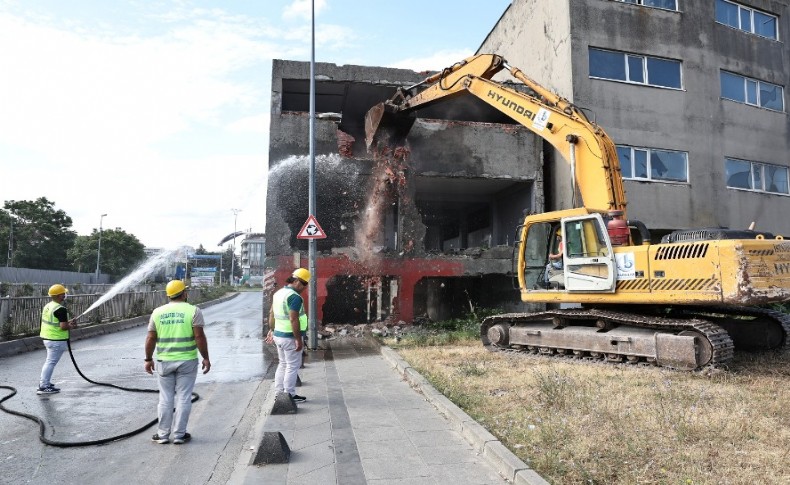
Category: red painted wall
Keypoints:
(408, 271)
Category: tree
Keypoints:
(42, 234)
(227, 263)
(120, 252)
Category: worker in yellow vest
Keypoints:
(55, 326)
(289, 321)
(175, 330)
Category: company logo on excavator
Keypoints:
(511, 105)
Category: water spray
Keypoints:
(150, 266)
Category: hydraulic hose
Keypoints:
(67, 444)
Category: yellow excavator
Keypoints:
(685, 303)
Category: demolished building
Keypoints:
(429, 233)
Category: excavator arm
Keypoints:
(589, 150)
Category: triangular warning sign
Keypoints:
(311, 229)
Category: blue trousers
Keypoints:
(55, 349)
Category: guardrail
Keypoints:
(21, 316)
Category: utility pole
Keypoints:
(98, 251)
(233, 248)
(311, 244)
(9, 261)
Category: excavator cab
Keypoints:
(588, 262)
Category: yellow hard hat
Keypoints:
(558, 231)
(302, 274)
(175, 288)
(58, 289)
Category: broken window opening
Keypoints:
(443, 298)
(360, 299)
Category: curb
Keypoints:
(27, 344)
(503, 460)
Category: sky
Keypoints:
(156, 113)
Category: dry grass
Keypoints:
(596, 423)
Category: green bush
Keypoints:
(446, 332)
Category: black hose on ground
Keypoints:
(67, 444)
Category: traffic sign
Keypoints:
(311, 229)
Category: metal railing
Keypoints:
(21, 316)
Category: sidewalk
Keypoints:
(371, 419)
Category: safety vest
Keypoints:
(175, 339)
(282, 319)
(50, 325)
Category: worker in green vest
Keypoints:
(175, 330)
(289, 321)
(55, 326)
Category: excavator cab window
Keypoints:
(539, 241)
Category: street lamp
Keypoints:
(233, 249)
(98, 251)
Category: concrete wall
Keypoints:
(50, 277)
(535, 36)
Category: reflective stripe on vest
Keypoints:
(175, 339)
(50, 325)
(282, 318)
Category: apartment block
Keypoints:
(692, 92)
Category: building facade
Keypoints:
(692, 92)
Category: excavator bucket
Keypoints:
(384, 126)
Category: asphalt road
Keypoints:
(220, 423)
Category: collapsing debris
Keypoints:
(389, 181)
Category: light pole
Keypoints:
(98, 251)
(233, 249)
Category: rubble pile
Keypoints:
(385, 328)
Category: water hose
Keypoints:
(67, 444)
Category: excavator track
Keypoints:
(751, 328)
(684, 343)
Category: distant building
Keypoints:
(253, 255)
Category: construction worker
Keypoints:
(554, 266)
(176, 331)
(288, 319)
(55, 326)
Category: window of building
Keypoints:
(633, 68)
(665, 4)
(747, 19)
(653, 164)
(760, 177)
(751, 91)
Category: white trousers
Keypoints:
(176, 381)
(290, 362)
